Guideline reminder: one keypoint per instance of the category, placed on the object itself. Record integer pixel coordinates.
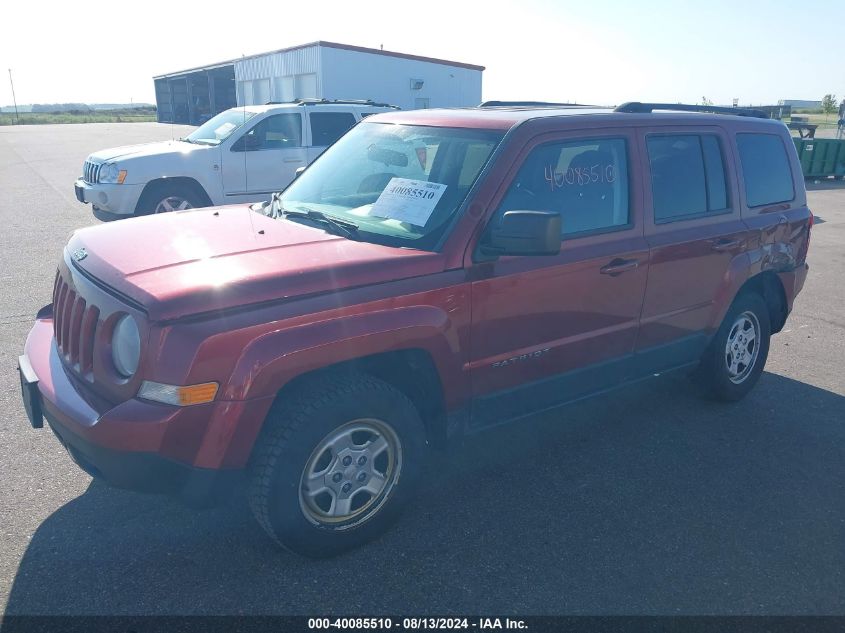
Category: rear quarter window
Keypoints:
(327, 127)
(765, 169)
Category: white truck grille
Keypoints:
(91, 172)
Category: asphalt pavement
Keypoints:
(649, 501)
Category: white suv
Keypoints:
(241, 155)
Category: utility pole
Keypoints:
(14, 100)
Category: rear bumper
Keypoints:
(193, 452)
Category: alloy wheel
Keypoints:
(742, 346)
(172, 203)
(351, 473)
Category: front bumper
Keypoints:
(192, 452)
(110, 200)
(144, 472)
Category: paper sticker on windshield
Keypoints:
(224, 129)
(407, 200)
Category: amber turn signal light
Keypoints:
(197, 394)
(180, 396)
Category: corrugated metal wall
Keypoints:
(336, 73)
(302, 61)
(299, 62)
(194, 97)
(407, 83)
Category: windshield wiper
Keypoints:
(347, 229)
(274, 209)
(196, 141)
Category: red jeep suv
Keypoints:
(431, 274)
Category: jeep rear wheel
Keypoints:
(335, 464)
(737, 354)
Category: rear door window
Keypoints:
(327, 127)
(687, 176)
(765, 169)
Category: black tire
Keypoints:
(714, 372)
(301, 422)
(159, 192)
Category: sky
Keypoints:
(588, 51)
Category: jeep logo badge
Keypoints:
(79, 254)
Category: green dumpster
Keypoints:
(821, 157)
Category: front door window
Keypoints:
(265, 158)
(586, 181)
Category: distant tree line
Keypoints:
(55, 108)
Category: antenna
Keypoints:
(14, 100)
(246, 171)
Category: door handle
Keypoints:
(619, 266)
(291, 160)
(725, 245)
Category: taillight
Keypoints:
(806, 247)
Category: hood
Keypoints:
(145, 149)
(178, 264)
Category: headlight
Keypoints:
(110, 174)
(126, 346)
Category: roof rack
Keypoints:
(531, 104)
(363, 102)
(636, 106)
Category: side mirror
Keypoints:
(524, 233)
(298, 172)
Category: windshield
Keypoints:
(403, 183)
(219, 128)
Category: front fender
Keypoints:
(197, 165)
(272, 360)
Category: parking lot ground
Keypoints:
(648, 501)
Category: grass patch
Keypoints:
(822, 120)
(107, 116)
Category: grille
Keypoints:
(74, 326)
(91, 172)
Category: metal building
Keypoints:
(319, 70)
(800, 103)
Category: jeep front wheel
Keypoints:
(335, 464)
(165, 198)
